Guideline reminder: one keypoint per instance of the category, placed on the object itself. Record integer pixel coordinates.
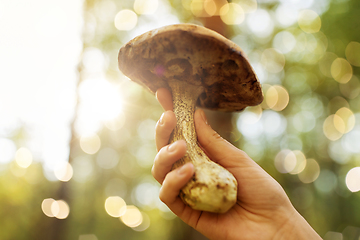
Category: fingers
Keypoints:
(218, 149)
(166, 157)
(174, 181)
(165, 98)
(164, 128)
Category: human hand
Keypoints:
(262, 211)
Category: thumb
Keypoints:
(218, 149)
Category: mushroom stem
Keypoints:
(212, 188)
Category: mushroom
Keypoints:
(200, 68)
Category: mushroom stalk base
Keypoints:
(212, 188)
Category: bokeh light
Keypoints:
(64, 172)
(125, 20)
(23, 157)
(248, 6)
(272, 60)
(352, 53)
(277, 98)
(348, 120)
(260, 23)
(309, 21)
(55, 208)
(90, 143)
(107, 158)
(46, 207)
(353, 179)
(60, 209)
(326, 182)
(145, 224)
(341, 70)
(146, 6)
(331, 125)
(132, 216)
(284, 41)
(326, 62)
(115, 206)
(232, 14)
(351, 89)
(311, 171)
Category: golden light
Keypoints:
(248, 6)
(197, 8)
(331, 125)
(311, 171)
(325, 63)
(60, 209)
(287, 161)
(23, 157)
(351, 89)
(210, 7)
(283, 163)
(341, 70)
(277, 98)
(115, 206)
(46, 207)
(232, 14)
(90, 144)
(309, 21)
(146, 6)
(272, 60)
(52, 208)
(145, 224)
(347, 122)
(300, 161)
(353, 179)
(125, 20)
(64, 172)
(352, 53)
(132, 216)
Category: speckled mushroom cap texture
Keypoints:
(198, 56)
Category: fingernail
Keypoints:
(172, 147)
(202, 113)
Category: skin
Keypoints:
(263, 210)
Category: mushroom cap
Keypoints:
(198, 56)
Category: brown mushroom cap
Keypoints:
(195, 55)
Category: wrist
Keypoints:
(296, 228)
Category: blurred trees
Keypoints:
(306, 134)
